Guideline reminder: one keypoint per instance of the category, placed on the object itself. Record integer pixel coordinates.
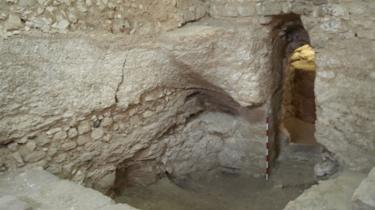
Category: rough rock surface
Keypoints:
(364, 196)
(85, 103)
(345, 78)
(57, 114)
(334, 194)
(39, 190)
(126, 17)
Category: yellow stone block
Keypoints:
(303, 65)
(303, 58)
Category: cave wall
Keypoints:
(91, 106)
(85, 98)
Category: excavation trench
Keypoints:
(216, 158)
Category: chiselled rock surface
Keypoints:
(38, 190)
(364, 196)
(84, 128)
(334, 194)
(341, 35)
(106, 94)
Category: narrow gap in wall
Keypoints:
(294, 59)
(299, 98)
(298, 104)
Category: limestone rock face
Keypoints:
(364, 196)
(345, 111)
(13, 203)
(87, 104)
(40, 190)
(102, 99)
(127, 17)
(45, 89)
(332, 194)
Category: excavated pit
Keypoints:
(219, 176)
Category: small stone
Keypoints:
(364, 196)
(13, 146)
(61, 135)
(97, 133)
(22, 140)
(13, 23)
(3, 167)
(72, 133)
(3, 16)
(325, 168)
(35, 156)
(84, 127)
(52, 151)
(30, 146)
(40, 23)
(83, 140)
(52, 131)
(116, 126)
(107, 138)
(69, 146)
(61, 25)
(18, 158)
(107, 121)
(265, 20)
(60, 158)
(106, 182)
(13, 203)
(54, 169)
(147, 114)
(42, 139)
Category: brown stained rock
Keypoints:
(107, 122)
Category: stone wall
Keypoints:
(342, 34)
(98, 107)
(129, 16)
(89, 103)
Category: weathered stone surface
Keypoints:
(364, 196)
(334, 194)
(35, 156)
(215, 142)
(233, 8)
(127, 16)
(8, 202)
(97, 133)
(345, 112)
(237, 67)
(52, 83)
(44, 191)
(84, 127)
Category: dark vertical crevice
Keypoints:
(121, 80)
(289, 34)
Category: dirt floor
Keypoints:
(226, 192)
(301, 132)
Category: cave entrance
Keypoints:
(294, 59)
